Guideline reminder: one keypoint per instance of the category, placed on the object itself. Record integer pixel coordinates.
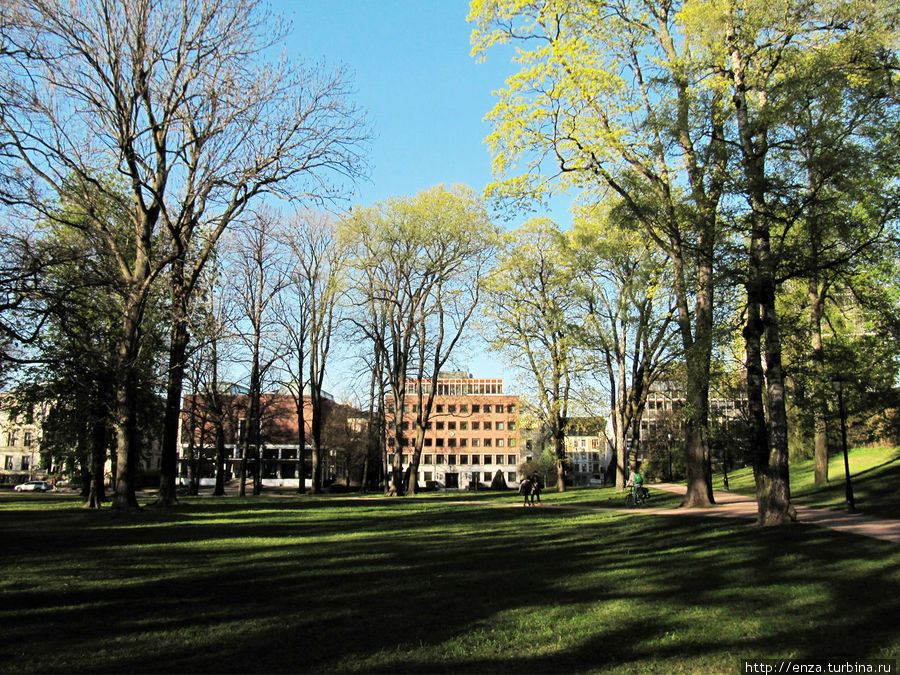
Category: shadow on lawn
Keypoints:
(350, 587)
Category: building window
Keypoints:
(451, 459)
(500, 459)
(476, 442)
(451, 409)
(463, 442)
(439, 426)
(476, 426)
(428, 476)
(440, 408)
(464, 408)
(510, 459)
(405, 426)
(510, 410)
(487, 475)
(476, 408)
(487, 442)
(406, 407)
(512, 442)
(404, 459)
(438, 459)
(8, 462)
(27, 440)
(439, 442)
(511, 477)
(487, 426)
(463, 426)
(426, 459)
(428, 442)
(451, 426)
(476, 459)
(511, 425)
(26, 463)
(451, 442)
(499, 442)
(488, 459)
(463, 459)
(499, 426)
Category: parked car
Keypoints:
(34, 486)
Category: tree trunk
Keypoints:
(97, 490)
(697, 343)
(220, 454)
(769, 442)
(127, 449)
(316, 423)
(820, 406)
(559, 449)
(177, 350)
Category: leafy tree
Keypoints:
(627, 315)
(607, 100)
(530, 308)
(764, 55)
(419, 263)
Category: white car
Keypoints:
(34, 486)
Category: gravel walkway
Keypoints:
(730, 505)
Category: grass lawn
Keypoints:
(874, 475)
(429, 584)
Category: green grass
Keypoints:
(874, 475)
(429, 584)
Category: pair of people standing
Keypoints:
(530, 489)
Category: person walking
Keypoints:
(525, 489)
(535, 489)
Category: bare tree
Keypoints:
(176, 103)
(259, 273)
(319, 262)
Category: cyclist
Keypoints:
(637, 481)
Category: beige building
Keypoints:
(20, 437)
(472, 434)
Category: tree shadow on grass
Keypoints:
(406, 589)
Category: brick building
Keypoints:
(342, 437)
(472, 434)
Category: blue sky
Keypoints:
(426, 98)
(425, 94)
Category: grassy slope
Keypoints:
(276, 584)
(874, 475)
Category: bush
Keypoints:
(499, 482)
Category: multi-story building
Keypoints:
(473, 432)
(667, 398)
(587, 449)
(20, 437)
(279, 437)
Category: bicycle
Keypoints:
(636, 498)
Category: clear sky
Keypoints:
(425, 94)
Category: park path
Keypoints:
(730, 505)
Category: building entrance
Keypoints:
(451, 480)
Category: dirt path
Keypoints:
(730, 505)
